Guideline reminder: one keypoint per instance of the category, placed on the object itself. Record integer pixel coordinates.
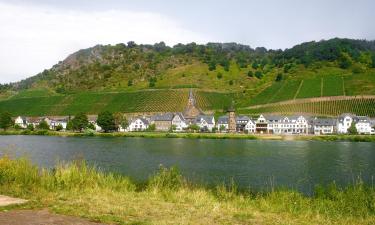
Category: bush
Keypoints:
(59, 127)
(250, 74)
(219, 75)
(231, 82)
(166, 179)
(43, 125)
(279, 77)
(258, 74)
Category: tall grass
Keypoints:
(76, 188)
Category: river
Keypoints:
(254, 164)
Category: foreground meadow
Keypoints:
(80, 190)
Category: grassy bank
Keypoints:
(353, 138)
(79, 190)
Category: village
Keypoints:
(193, 119)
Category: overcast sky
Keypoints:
(36, 34)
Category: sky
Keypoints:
(36, 34)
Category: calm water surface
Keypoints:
(252, 164)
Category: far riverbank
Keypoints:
(354, 138)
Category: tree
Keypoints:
(373, 60)
(151, 127)
(352, 129)
(219, 75)
(231, 82)
(254, 65)
(130, 83)
(30, 127)
(59, 127)
(172, 128)
(344, 61)
(5, 120)
(91, 126)
(279, 77)
(258, 74)
(211, 66)
(106, 121)
(194, 128)
(69, 125)
(222, 128)
(250, 73)
(17, 127)
(43, 125)
(80, 122)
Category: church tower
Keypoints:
(192, 111)
(232, 125)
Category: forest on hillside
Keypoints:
(133, 63)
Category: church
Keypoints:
(192, 112)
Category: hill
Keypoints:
(145, 78)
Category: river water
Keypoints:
(254, 164)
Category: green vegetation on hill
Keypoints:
(148, 78)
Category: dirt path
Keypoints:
(5, 200)
(39, 217)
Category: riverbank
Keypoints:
(79, 190)
(354, 138)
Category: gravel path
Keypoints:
(39, 217)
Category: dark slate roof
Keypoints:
(163, 117)
(207, 118)
(180, 115)
(242, 118)
(324, 122)
(222, 120)
(364, 119)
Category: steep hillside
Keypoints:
(144, 78)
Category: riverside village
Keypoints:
(193, 119)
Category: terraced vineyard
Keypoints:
(320, 106)
(300, 88)
(127, 102)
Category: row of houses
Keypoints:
(264, 124)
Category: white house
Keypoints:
(362, 124)
(222, 124)
(344, 122)
(138, 124)
(372, 121)
(21, 122)
(205, 122)
(55, 122)
(323, 126)
(287, 125)
(261, 125)
(179, 122)
(250, 126)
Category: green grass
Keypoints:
(287, 91)
(167, 198)
(333, 86)
(266, 95)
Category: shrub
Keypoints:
(166, 179)
(258, 74)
